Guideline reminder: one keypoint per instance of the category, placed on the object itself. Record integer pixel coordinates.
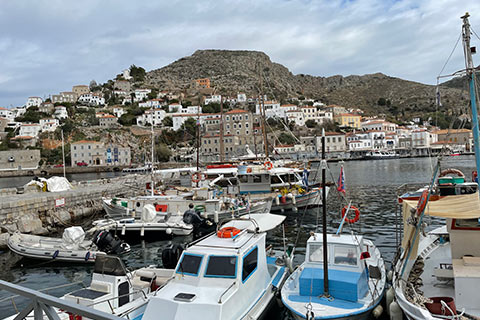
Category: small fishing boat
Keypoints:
(72, 247)
(380, 155)
(150, 221)
(343, 275)
(227, 275)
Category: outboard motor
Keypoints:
(204, 228)
(109, 244)
(171, 255)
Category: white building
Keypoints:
(153, 103)
(126, 74)
(179, 119)
(213, 99)
(141, 94)
(7, 113)
(241, 98)
(272, 109)
(146, 118)
(60, 112)
(34, 102)
(92, 99)
(49, 125)
(421, 138)
(179, 109)
(118, 111)
(296, 116)
(29, 130)
(380, 125)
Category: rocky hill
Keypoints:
(239, 71)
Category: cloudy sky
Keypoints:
(46, 46)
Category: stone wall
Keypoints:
(19, 159)
(36, 212)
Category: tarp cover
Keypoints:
(73, 237)
(455, 207)
(148, 213)
(54, 184)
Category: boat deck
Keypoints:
(433, 286)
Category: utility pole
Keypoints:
(470, 69)
(63, 155)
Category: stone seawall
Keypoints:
(29, 210)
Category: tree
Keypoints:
(382, 102)
(153, 94)
(311, 123)
(167, 122)
(189, 127)
(286, 138)
(138, 73)
(93, 86)
(162, 152)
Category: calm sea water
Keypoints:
(372, 186)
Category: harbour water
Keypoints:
(372, 186)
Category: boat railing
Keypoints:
(41, 303)
(226, 290)
(66, 285)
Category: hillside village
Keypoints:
(109, 125)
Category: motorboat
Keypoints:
(72, 247)
(227, 275)
(356, 279)
(380, 155)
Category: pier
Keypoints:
(29, 210)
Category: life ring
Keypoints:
(197, 176)
(268, 165)
(357, 214)
(422, 202)
(452, 171)
(228, 232)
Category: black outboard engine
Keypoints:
(171, 255)
(109, 244)
(204, 228)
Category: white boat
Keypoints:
(356, 280)
(72, 247)
(223, 277)
(151, 221)
(114, 290)
(380, 155)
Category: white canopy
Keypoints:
(260, 222)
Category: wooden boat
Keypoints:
(70, 248)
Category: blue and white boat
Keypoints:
(356, 279)
(227, 275)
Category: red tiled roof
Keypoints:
(236, 111)
(85, 141)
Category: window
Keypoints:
(222, 267)
(257, 179)
(190, 264)
(249, 264)
(316, 252)
(345, 255)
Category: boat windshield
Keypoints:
(190, 264)
(345, 255)
(316, 253)
(221, 267)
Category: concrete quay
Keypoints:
(29, 210)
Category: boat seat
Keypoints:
(142, 279)
(100, 286)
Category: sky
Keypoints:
(47, 46)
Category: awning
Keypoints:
(456, 207)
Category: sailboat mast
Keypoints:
(222, 146)
(153, 147)
(63, 155)
(473, 99)
(324, 218)
(262, 112)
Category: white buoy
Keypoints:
(123, 230)
(142, 231)
(215, 216)
(295, 209)
(277, 200)
(395, 311)
(294, 200)
(377, 312)
(389, 298)
(168, 231)
(389, 275)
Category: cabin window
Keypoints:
(221, 267)
(276, 179)
(316, 253)
(249, 264)
(466, 224)
(345, 255)
(190, 264)
(243, 178)
(257, 179)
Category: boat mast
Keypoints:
(262, 112)
(222, 146)
(324, 219)
(470, 69)
(63, 155)
(153, 147)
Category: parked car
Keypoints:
(58, 165)
(82, 164)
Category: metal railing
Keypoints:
(43, 304)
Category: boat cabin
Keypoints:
(347, 275)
